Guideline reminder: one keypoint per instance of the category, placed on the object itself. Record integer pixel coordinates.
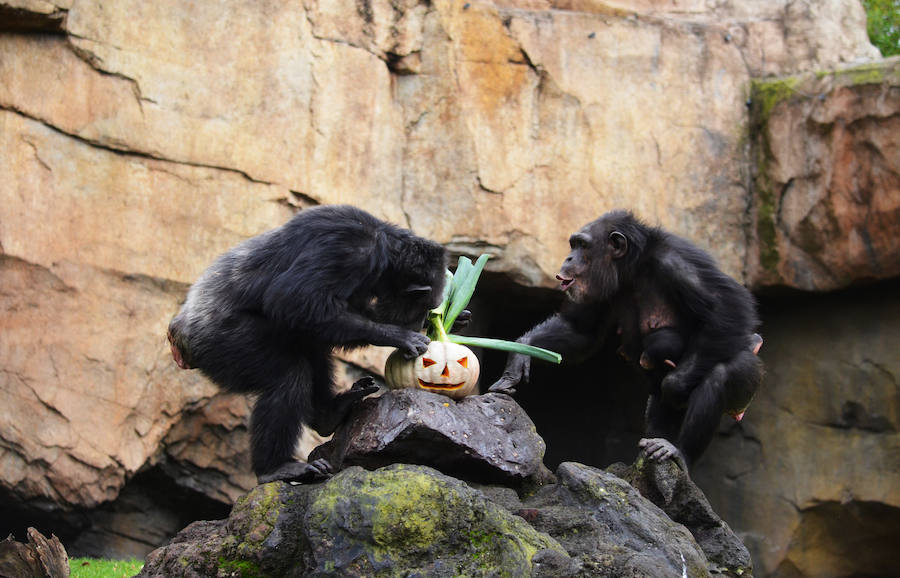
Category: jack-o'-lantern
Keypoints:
(446, 368)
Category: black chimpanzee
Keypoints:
(661, 349)
(264, 318)
(625, 277)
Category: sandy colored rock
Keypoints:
(827, 194)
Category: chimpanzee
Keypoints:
(265, 316)
(661, 349)
(624, 277)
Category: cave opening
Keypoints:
(150, 509)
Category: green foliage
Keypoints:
(884, 25)
(100, 568)
(457, 293)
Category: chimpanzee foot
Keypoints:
(363, 387)
(504, 385)
(756, 342)
(346, 400)
(660, 449)
(299, 472)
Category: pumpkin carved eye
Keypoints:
(427, 362)
(464, 361)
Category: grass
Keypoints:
(883, 18)
(99, 568)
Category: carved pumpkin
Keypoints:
(446, 368)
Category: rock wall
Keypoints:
(138, 140)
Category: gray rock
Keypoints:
(410, 520)
(611, 529)
(671, 488)
(400, 520)
(483, 438)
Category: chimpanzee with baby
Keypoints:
(690, 326)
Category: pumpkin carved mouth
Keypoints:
(448, 386)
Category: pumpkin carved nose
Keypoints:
(446, 372)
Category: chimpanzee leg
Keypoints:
(663, 420)
(329, 410)
(275, 426)
(705, 407)
(744, 374)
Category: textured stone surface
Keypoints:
(827, 195)
(405, 519)
(486, 438)
(391, 522)
(809, 477)
(671, 488)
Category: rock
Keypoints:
(484, 438)
(827, 194)
(608, 526)
(404, 519)
(671, 488)
(808, 477)
(397, 520)
(38, 558)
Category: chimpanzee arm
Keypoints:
(684, 273)
(312, 296)
(574, 332)
(705, 407)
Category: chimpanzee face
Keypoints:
(404, 302)
(590, 272)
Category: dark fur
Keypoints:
(264, 318)
(660, 347)
(622, 274)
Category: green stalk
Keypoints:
(437, 332)
(458, 291)
(463, 288)
(503, 345)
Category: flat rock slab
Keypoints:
(484, 438)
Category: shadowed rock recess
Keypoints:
(435, 519)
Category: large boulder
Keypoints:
(486, 438)
(404, 519)
(393, 521)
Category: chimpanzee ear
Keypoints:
(417, 290)
(618, 245)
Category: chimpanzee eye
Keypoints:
(464, 361)
(427, 362)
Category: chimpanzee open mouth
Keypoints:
(565, 283)
(429, 385)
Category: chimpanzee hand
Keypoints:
(518, 370)
(413, 344)
(300, 472)
(660, 449)
(462, 321)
